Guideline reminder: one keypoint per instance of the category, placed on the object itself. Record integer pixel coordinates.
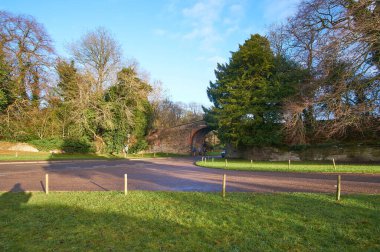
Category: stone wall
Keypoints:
(351, 153)
(179, 139)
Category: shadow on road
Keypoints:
(174, 174)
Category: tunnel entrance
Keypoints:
(204, 140)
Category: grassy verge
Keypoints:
(213, 153)
(155, 155)
(168, 221)
(45, 156)
(41, 156)
(295, 166)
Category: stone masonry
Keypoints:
(181, 139)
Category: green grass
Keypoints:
(295, 166)
(45, 156)
(171, 221)
(157, 155)
(41, 156)
(213, 153)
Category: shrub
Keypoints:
(77, 145)
(139, 146)
(67, 145)
(47, 144)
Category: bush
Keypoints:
(139, 146)
(67, 145)
(77, 145)
(47, 144)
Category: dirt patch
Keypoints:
(8, 146)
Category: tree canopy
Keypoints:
(314, 78)
(248, 93)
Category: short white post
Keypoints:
(334, 164)
(338, 188)
(224, 186)
(251, 164)
(125, 184)
(47, 183)
(289, 165)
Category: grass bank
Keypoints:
(46, 156)
(295, 166)
(169, 221)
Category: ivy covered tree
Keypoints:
(248, 93)
(129, 106)
(6, 84)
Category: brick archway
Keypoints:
(198, 138)
(179, 139)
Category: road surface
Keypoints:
(169, 174)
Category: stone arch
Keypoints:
(179, 139)
(198, 138)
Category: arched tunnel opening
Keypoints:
(204, 140)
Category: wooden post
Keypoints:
(289, 165)
(224, 186)
(334, 164)
(125, 184)
(47, 183)
(202, 159)
(251, 164)
(205, 160)
(338, 188)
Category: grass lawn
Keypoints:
(40, 156)
(295, 166)
(177, 221)
(44, 156)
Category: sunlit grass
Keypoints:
(295, 166)
(170, 221)
(45, 156)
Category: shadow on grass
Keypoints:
(159, 221)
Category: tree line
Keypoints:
(91, 101)
(313, 79)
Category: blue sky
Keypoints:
(178, 42)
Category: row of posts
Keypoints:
(204, 159)
(338, 186)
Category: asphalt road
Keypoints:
(169, 174)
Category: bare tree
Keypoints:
(29, 50)
(98, 52)
(337, 41)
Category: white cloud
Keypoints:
(211, 20)
(237, 9)
(203, 17)
(160, 32)
(276, 11)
